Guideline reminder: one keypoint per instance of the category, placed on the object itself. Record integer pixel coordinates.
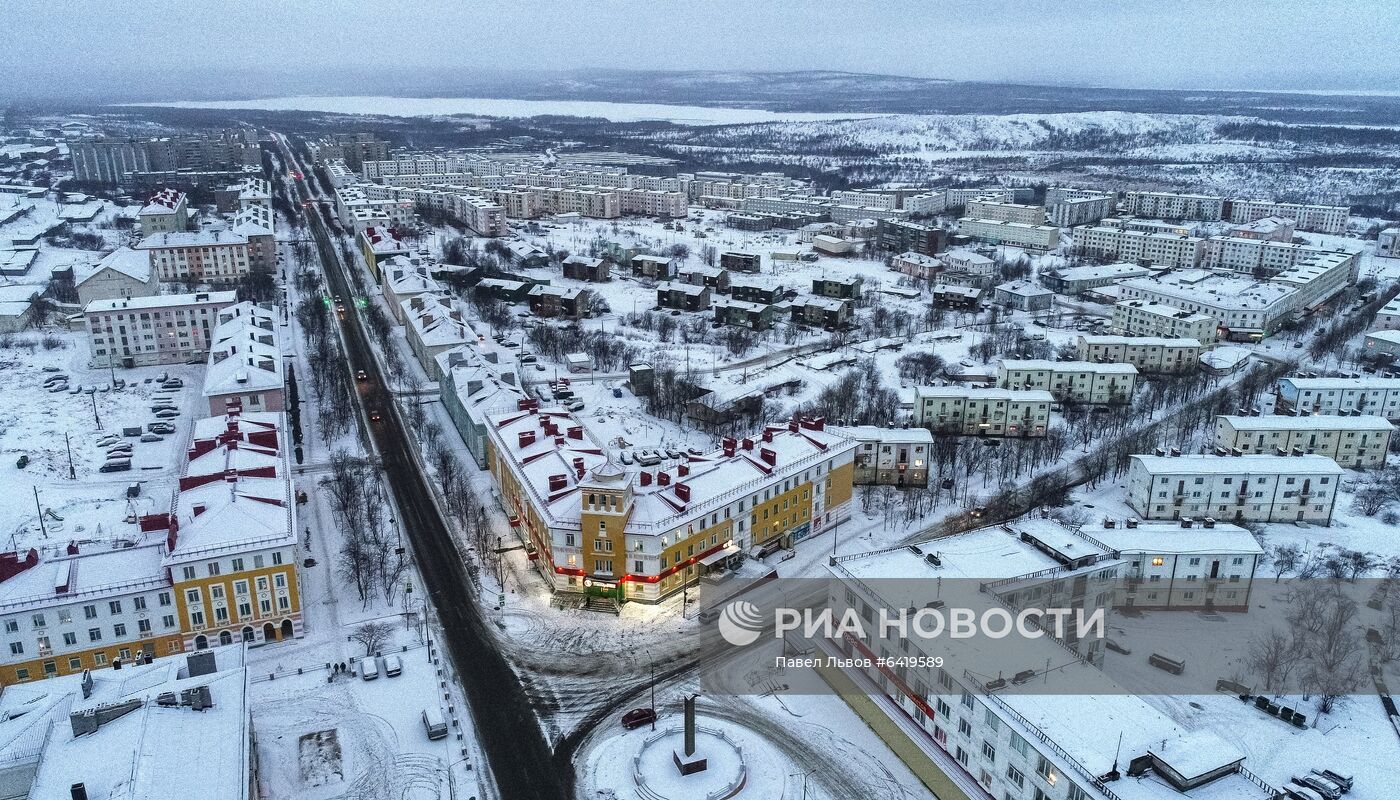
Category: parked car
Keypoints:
(123, 465)
(574, 405)
(393, 666)
(151, 437)
(168, 413)
(173, 383)
(369, 668)
(616, 392)
(433, 724)
(638, 717)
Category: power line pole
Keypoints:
(68, 445)
(42, 528)
(95, 418)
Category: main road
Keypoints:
(522, 763)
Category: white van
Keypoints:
(433, 723)
(369, 668)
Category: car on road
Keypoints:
(574, 405)
(360, 375)
(374, 415)
(638, 717)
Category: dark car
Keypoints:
(360, 375)
(638, 717)
(374, 415)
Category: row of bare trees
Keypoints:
(371, 555)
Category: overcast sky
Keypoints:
(192, 49)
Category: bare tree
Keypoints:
(372, 635)
(1272, 658)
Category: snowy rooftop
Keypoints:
(191, 239)
(87, 575)
(1389, 337)
(1227, 290)
(1105, 271)
(1162, 309)
(1321, 422)
(148, 752)
(1023, 288)
(709, 480)
(1237, 465)
(873, 433)
(161, 301)
(244, 514)
(977, 393)
(132, 263)
(1369, 382)
(1139, 341)
(1164, 538)
(1034, 364)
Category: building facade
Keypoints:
(972, 411)
(1147, 353)
(148, 331)
(1071, 381)
(1355, 442)
(1255, 488)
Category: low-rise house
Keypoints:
(1388, 318)
(827, 312)
(506, 290)
(657, 268)
(557, 301)
(714, 278)
(974, 411)
(889, 456)
(593, 270)
(751, 292)
(841, 288)
(525, 255)
(833, 245)
(1147, 353)
(737, 261)
(122, 273)
(1070, 381)
(683, 296)
(166, 212)
(916, 265)
(758, 316)
(965, 297)
(1023, 296)
(1255, 488)
(1355, 442)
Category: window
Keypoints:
(258, 561)
(168, 620)
(119, 630)
(22, 674)
(1020, 745)
(262, 583)
(70, 638)
(1076, 793)
(964, 727)
(1015, 777)
(191, 595)
(197, 618)
(283, 603)
(94, 634)
(11, 626)
(967, 699)
(16, 648)
(188, 573)
(114, 607)
(216, 592)
(276, 557)
(962, 756)
(99, 658)
(164, 598)
(237, 565)
(1046, 770)
(75, 663)
(240, 587)
(140, 603)
(989, 752)
(213, 567)
(38, 620)
(245, 609)
(143, 625)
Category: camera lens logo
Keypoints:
(740, 622)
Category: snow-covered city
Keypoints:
(971, 401)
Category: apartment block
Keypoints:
(1139, 247)
(643, 534)
(1254, 488)
(198, 256)
(433, 324)
(1141, 318)
(1023, 296)
(1388, 243)
(1355, 442)
(904, 236)
(1328, 396)
(148, 331)
(122, 273)
(1070, 381)
(245, 361)
(889, 456)
(737, 261)
(973, 411)
(1316, 218)
(1006, 212)
(1168, 205)
(1388, 318)
(683, 296)
(827, 312)
(1147, 353)
(1031, 237)
(1243, 307)
(1069, 208)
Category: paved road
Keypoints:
(521, 761)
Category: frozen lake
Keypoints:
(495, 107)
